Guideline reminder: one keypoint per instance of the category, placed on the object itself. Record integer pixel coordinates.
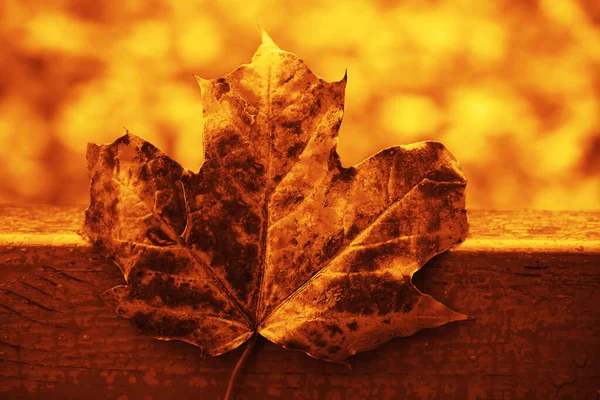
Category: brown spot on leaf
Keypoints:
(239, 261)
(164, 325)
(370, 258)
(109, 157)
(296, 345)
(332, 246)
(315, 106)
(227, 143)
(148, 149)
(334, 162)
(124, 140)
(144, 173)
(163, 261)
(345, 174)
(352, 325)
(252, 224)
(337, 125)
(235, 209)
(433, 190)
(367, 294)
(294, 127)
(295, 149)
(293, 198)
(433, 224)
(353, 231)
(333, 329)
(173, 294)
(202, 237)
(220, 88)
(364, 260)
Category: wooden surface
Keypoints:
(530, 279)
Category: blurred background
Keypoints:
(511, 87)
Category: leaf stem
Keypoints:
(239, 365)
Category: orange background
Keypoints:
(511, 87)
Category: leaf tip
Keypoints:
(127, 137)
(456, 316)
(266, 39)
(92, 149)
(201, 82)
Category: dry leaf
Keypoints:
(272, 235)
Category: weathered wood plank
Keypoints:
(536, 333)
(519, 230)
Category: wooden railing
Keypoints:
(530, 279)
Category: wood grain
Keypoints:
(535, 332)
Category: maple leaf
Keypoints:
(273, 236)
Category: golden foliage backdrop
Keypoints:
(511, 87)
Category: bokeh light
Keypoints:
(512, 88)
